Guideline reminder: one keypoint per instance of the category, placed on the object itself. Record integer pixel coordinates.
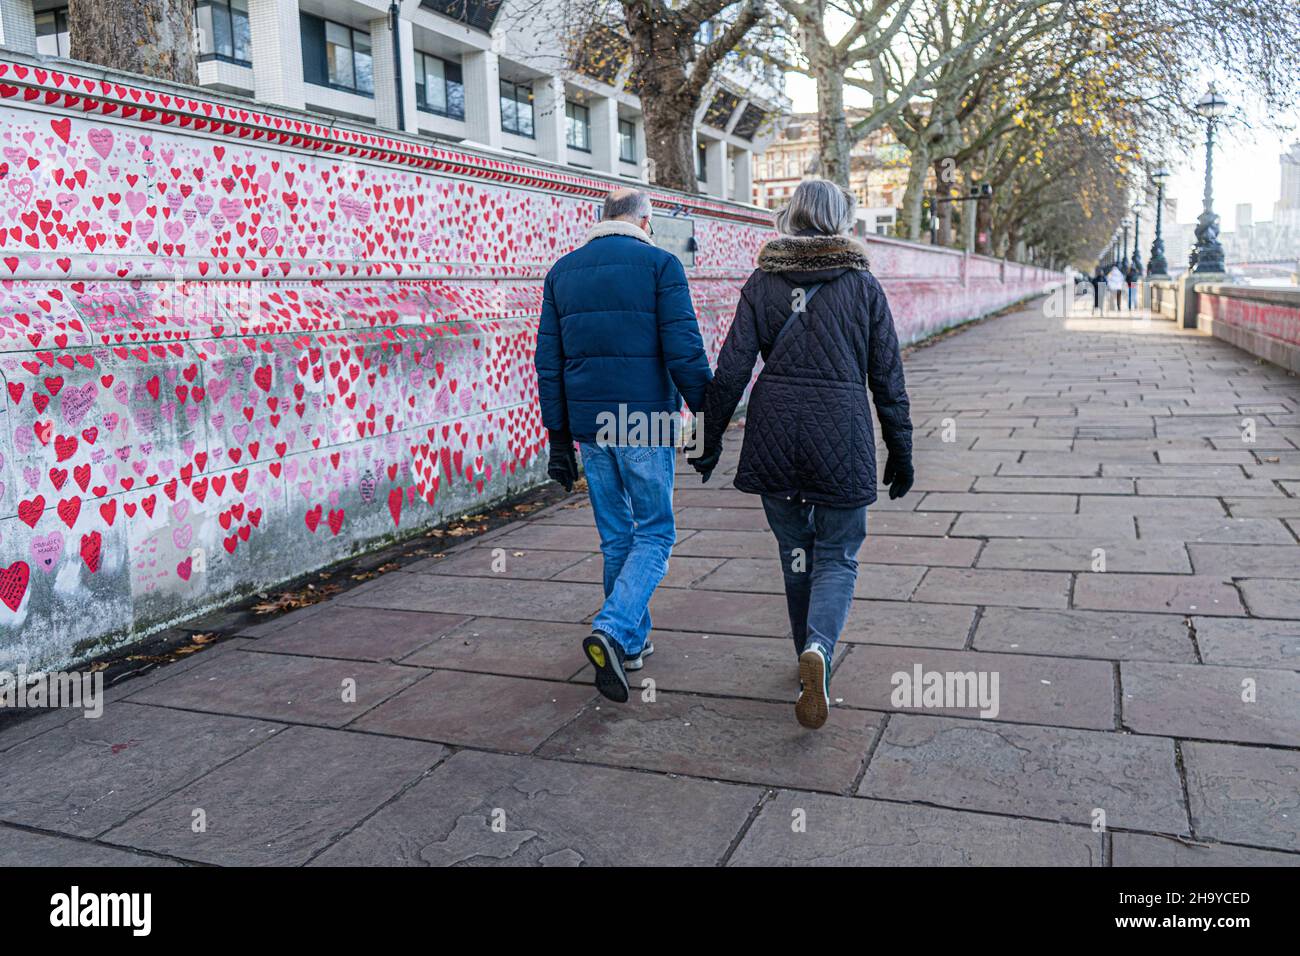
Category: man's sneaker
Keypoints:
(814, 704)
(607, 657)
(635, 663)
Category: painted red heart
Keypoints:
(13, 584)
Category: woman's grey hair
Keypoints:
(819, 205)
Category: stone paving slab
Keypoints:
(886, 582)
(1206, 701)
(362, 634)
(1272, 597)
(738, 740)
(912, 523)
(498, 645)
(1038, 503)
(1037, 485)
(722, 519)
(1047, 773)
(480, 710)
(718, 612)
(1248, 795)
(1263, 507)
(282, 802)
(1166, 593)
(843, 831)
(556, 537)
(1056, 691)
(549, 813)
(911, 624)
(494, 558)
(683, 572)
(1232, 530)
(721, 665)
(27, 848)
(532, 600)
(728, 544)
(1247, 561)
(983, 586)
(925, 551)
(1072, 554)
(300, 690)
(90, 774)
(1210, 488)
(1143, 849)
(1150, 506)
(1078, 527)
(1249, 643)
(1105, 635)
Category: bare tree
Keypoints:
(153, 37)
(673, 69)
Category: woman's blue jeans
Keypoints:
(819, 560)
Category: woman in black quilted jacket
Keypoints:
(820, 321)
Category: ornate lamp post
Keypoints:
(1123, 261)
(1158, 267)
(1137, 242)
(1208, 251)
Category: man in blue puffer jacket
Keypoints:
(617, 349)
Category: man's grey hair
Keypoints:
(630, 204)
(819, 205)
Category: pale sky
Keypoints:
(1245, 162)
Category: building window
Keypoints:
(52, 32)
(223, 31)
(627, 141)
(480, 14)
(439, 86)
(337, 56)
(577, 126)
(701, 163)
(517, 108)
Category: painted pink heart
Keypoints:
(46, 550)
(77, 401)
(101, 141)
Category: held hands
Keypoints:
(899, 474)
(563, 466)
(707, 462)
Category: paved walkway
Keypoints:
(1147, 713)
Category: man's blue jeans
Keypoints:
(819, 560)
(631, 491)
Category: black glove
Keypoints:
(707, 462)
(563, 466)
(899, 474)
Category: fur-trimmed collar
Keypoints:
(617, 227)
(812, 253)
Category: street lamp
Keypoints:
(1123, 261)
(1137, 230)
(1158, 267)
(1208, 251)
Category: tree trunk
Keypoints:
(915, 192)
(834, 140)
(152, 37)
(944, 172)
(662, 51)
(670, 142)
(984, 227)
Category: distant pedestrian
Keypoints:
(1133, 277)
(1115, 282)
(1098, 280)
